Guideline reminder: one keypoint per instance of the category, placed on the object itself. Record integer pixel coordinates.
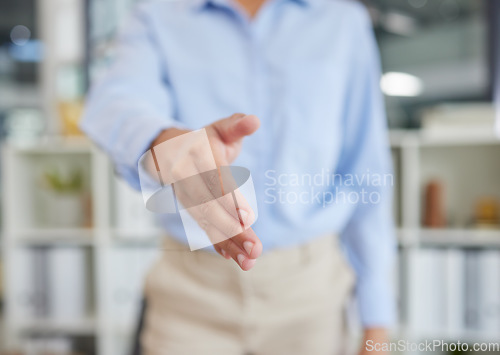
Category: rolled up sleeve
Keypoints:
(132, 102)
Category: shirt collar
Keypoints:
(202, 4)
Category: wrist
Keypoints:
(376, 331)
(375, 338)
(167, 134)
(377, 334)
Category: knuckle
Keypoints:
(203, 201)
(196, 149)
(213, 183)
(204, 210)
(193, 151)
(232, 229)
(178, 171)
(223, 244)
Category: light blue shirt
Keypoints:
(309, 69)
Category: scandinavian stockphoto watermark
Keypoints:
(437, 345)
(215, 203)
(326, 187)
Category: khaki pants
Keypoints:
(291, 302)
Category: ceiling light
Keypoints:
(400, 24)
(401, 84)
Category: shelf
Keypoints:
(435, 140)
(465, 238)
(126, 329)
(461, 237)
(56, 145)
(14, 95)
(150, 237)
(55, 236)
(465, 336)
(86, 326)
(400, 138)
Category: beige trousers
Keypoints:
(291, 302)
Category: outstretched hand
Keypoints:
(226, 226)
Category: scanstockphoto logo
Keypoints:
(432, 346)
(326, 187)
(181, 176)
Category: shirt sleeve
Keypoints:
(132, 103)
(369, 236)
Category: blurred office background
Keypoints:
(76, 241)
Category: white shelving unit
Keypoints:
(118, 257)
(469, 169)
(120, 253)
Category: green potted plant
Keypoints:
(64, 204)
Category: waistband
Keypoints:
(297, 254)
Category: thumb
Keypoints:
(236, 127)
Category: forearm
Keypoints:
(374, 340)
(167, 134)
